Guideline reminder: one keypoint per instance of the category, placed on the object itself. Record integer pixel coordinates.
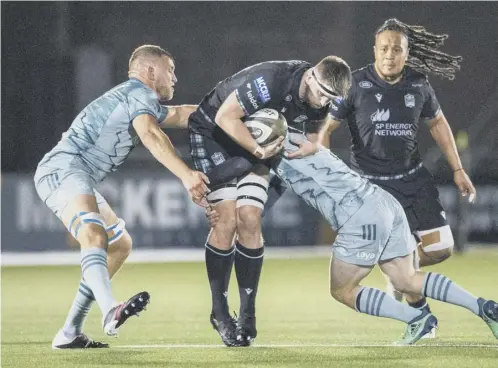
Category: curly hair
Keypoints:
(423, 54)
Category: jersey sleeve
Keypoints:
(341, 107)
(257, 89)
(431, 105)
(146, 102)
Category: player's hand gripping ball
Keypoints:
(266, 126)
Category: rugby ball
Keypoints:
(266, 125)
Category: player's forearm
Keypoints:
(324, 133)
(184, 112)
(442, 134)
(236, 129)
(178, 116)
(161, 148)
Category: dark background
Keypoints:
(58, 56)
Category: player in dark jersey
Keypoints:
(387, 102)
(302, 93)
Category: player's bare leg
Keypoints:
(435, 246)
(252, 195)
(85, 222)
(219, 262)
(345, 281)
(436, 286)
(345, 288)
(71, 336)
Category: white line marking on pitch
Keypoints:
(270, 346)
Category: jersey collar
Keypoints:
(382, 82)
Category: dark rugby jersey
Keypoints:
(272, 84)
(383, 120)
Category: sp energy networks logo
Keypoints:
(382, 126)
(262, 88)
(380, 116)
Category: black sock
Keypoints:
(248, 264)
(219, 268)
(421, 304)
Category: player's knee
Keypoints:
(89, 229)
(403, 284)
(124, 245)
(223, 233)
(226, 225)
(438, 255)
(438, 244)
(342, 295)
(336, 293)
(339, 291)
(249, 219)
(117, 234)
(92, 235)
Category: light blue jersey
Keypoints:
(324, 182)
(102, 135)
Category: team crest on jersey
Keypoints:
(218, 158)
(409, 100)
(365, 84)
(288, 98)
(300, 119)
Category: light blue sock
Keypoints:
(79, 310)
(96, 275)
(439, 287)
(377, 303)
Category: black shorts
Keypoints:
(214, 148)
(419, 196)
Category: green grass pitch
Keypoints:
(299, 324)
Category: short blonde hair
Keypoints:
(146, 51)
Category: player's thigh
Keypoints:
(223, 199)
(70, 195)
(252, 194)
(344, 276)
(118, 238)
(400, 271)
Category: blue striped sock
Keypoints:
(96, 275)
(79, 310)
(377, 303)
(439, 287)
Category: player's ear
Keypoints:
(150, 73)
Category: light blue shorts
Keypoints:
(57, 188)
(379, 231)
